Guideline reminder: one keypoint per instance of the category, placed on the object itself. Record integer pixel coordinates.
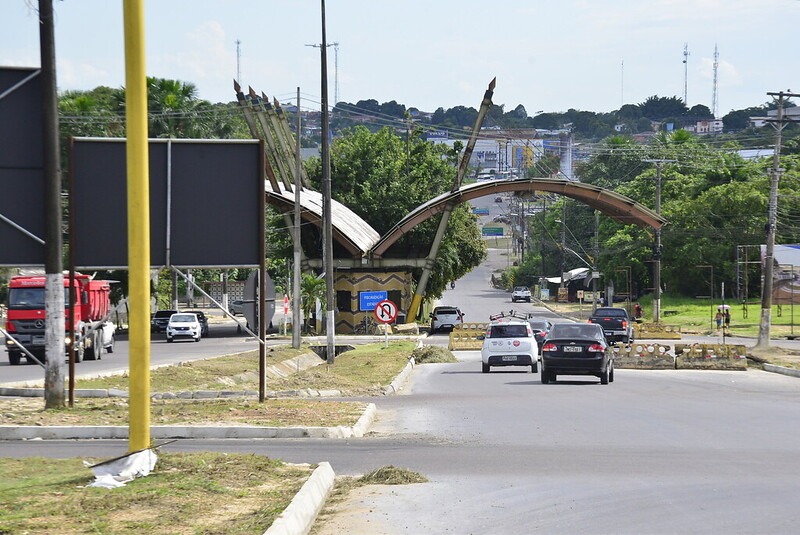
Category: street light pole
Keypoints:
(657, 248)
(769, 253)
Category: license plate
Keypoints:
(572, 349)
(509, 357)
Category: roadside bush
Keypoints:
(428, 354)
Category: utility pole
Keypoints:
(326, 200)
(296, 301)
(766, 288)
(563, 240)
(54, 278)
(595, 275)
(657, 248)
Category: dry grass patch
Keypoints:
(280, 412)
(200, 493)
(219, 373)
(364, 370)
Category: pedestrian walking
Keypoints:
(727, 321)
(718, 318)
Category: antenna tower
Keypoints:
(238, 61)
(686, 74)
(714, 100)
(335, 73)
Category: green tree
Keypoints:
(312, 289)
(658, 108)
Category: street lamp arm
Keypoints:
(579, 257)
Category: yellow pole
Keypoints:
(138, 226)
(413, 310)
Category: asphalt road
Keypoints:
(223, 339)
(653, 452)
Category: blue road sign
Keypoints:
(369, 300)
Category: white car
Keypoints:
(444, 317)
(521, 293)
(184, 325)
(509, 341)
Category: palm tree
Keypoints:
(174, 109)
(312, 289)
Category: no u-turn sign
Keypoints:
(386, 311)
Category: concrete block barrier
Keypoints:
(656, 331)
(465, 336)
(711, 357)
(639, 356)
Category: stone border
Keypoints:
(299, 516)
(401, 378)
(32, 432)
(791, 372)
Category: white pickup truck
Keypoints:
(521, 293)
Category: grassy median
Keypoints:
(199, 493)
(362, 371)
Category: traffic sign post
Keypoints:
(385, 312)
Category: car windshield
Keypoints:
(182, 318)
(538, 325)
(520, 289)
(443, 310)
(575, 330)
(164, 314)
(508, 330)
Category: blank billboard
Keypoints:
(22, 217)
(206, 203)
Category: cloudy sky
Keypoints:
(547, 55)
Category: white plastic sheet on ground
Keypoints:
(118, 471)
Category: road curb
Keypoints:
(401, 378)
(791, 372)
(36, 432)
(302, 511)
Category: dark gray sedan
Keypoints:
(577, 349)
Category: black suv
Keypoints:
(158, 323)
(203, 319)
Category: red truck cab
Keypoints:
(26, 315)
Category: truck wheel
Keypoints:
(79, 353)
(14, 358)
(95, 349)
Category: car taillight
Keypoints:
(596, 348)
(550, 346)
(624, 324)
